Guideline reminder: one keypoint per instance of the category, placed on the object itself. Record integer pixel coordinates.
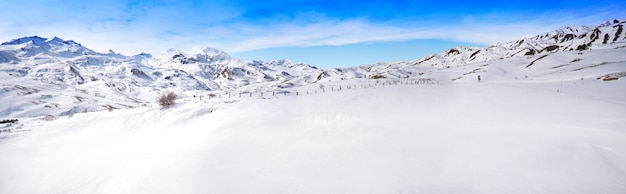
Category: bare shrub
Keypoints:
(167, 99)
(377, 76)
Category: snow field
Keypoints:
(450, 138)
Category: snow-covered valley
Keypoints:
(543, 122)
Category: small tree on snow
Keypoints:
(167, 99)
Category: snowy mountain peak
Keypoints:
(281, 62)
(39, 41)
(54, 39)
(197, 50)
(33, 39)
(194, 55)
(54, 46)
(206, 51)
(612, 22)
(574, 30)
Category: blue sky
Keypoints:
(322, 33)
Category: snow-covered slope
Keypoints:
(56, 77)
(609, 35)
(495, 137)
(575, 38)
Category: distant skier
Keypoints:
(478, 78)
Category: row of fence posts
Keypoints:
(332, 88)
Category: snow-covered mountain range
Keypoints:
(52, 76)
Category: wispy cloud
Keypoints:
(481, 30)
(131, 27)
